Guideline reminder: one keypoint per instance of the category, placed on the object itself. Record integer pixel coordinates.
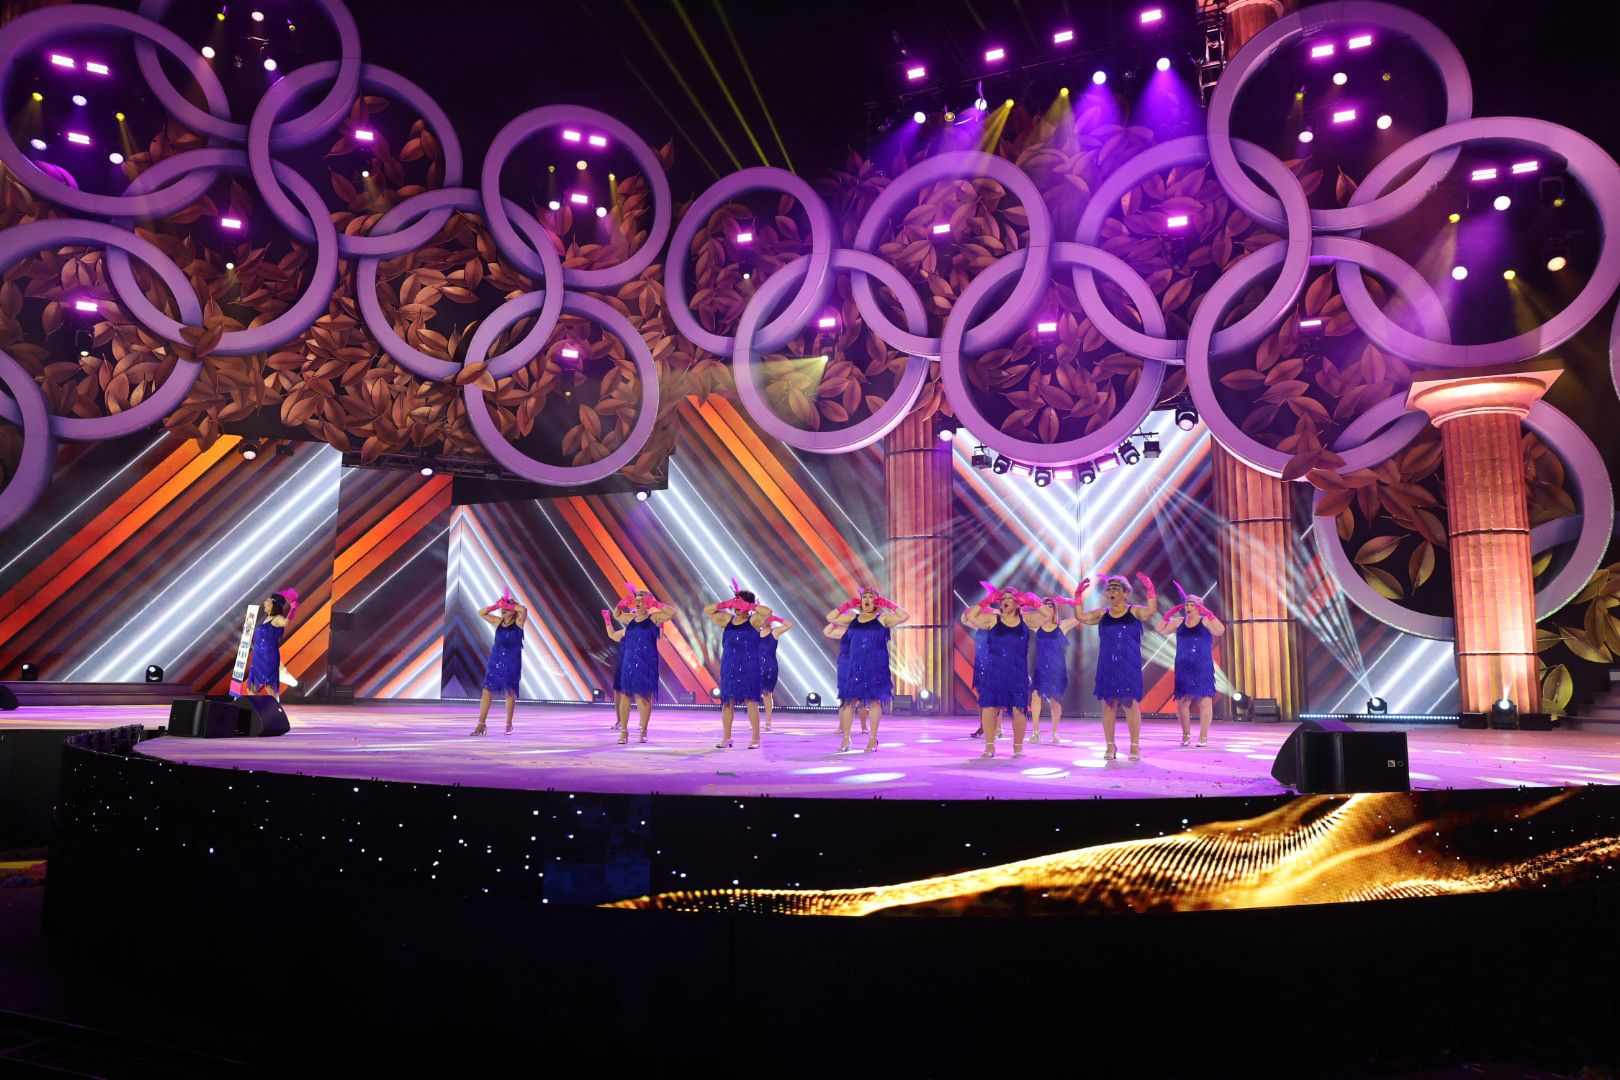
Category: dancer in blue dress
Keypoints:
(742, 616)
(836, 633)
(1049, 674)
(1119, 656)
(769, 635)
(1196, 629)
(264, 667)
(504, 673)
(868, 681)
(1008, 615)
(635, 677)
(981, 654)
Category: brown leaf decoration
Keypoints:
(1383, 583)
(1420, 565)
(1377, 550)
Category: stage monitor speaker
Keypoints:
(1264, 710)
(902, 703)
(264, 716)
(8, 700)
(1331, 757)
(206, 718)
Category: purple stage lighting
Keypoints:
(598, 141)
(1177, 221)
(745, 237)
(1344, 116)
(1151, 16)
(89, 306)
(1385, 122)
(365, 135)
(269, 63)
(230, 223)
(1458, 273)
(918, 117)
(80, 100)
(1099, 77)
(570, 135)
(1479, 175)
(96, 69)
(995, 55)
(915, 73)
(827, 322)
(78, 139)
(1310, 324)
(570, 352)
(1063, 37)
(1306, 136)
(1340, 78)
(1525, 167)
(1048, 327)
(63, 61)
(1319, 51)
(1502, 202)
(946, 435)
(601, 211)
(116, 158)
(1163, 63)
(579, 198)
(943, 228)
(1360, 41)
(37, 144)
(208, 52)
(553, 205)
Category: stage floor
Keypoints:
(574, 749)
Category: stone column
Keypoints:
(917, 487)
(1493, 592)
(1262, 648)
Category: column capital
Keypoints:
(1447, 395)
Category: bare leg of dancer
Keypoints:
(989, 720)
(483, 712)
(1184, 714)
(725, 726)
(768, 700)
(511, 707)
(1206, 714)
(846, 717)
(753, 724)
(621, 707)
(644, 708)
(866, 714)
(1133, 720)
(1019, 720)
(876, 708)
(1035, 714)
(1056, 708)
(1108, 730)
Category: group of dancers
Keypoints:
(1005, 680)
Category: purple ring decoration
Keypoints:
(38, 27)
(966, 165)
(33, 471)
(431, 367)
(1581, 460)
(1231, 285)
(501, 213)
(264, 124)
(1252, 327)
(1130, 413)
(745, 370)
(1390, 419)
(1598, 175)
(1357, 14)
(782, 329)
(1614, 352)
(322, 117)
(24, 240)
(513, 459)
(311, 304)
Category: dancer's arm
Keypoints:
(716, 615)
(522, 615)
(1090, 618)
(616, 633)
(979, 617)
(893, 614)
(833, 630)
(662, 614)
(781, 626)
(844, 613)
(489, 616)
(760, 618)
(1216, 627)
(1171, 621)
(1148, 610)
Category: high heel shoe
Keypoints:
(643, 735)
(754, 745)
(1035, 736)
(1202, 743)
(509, 729)
(1018, 750)
(1110, 754)
(871, 745)
(624, 736)
(1136, 752)
(843, 745)
(722, 745)
(1186, 739)
(479, 730)
(989, 750)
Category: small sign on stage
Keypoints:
(239, 672)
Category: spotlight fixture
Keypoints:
(1107, 463)
(30, 673)
(1310, 324)
(1480, 176)
(1186, 416)
(1306, 136)
(570, 135)
(37, 144)
(1151, 16)
(1046, 326)
(596, 693)
(642, 494)
(208, 52)
(1377, 706)
(1340, 78)
(116, 158)
(248, 449)
(916, 73)
(1177, 221)
(1458, 273)
(1043, 477)
(1099, 77)
(1344, 116)
(942, 228)
(1320, 51)
(1504, 713)
(981, 104)
(598, 141)
(946, 435)
(827, 322)
(918, 117)
(581, 165)
(1128, 453)
(1522, 167)
(269, 63)
(80, 100)
(1501, 202)
(426, 470)
(230, 223)
(1557, 263)
(97, 69)
(36, 96)
(87, 306)
(1063, 37)
(1454, 217)
(1163, 63)
(1509, 275)
(714, 693)
(1087, 473)
(1003, 465)
(981, 457)
(1360, 41)
(154, 673)
(1242, 705)
(601, 211)
(258, 16)
(813, 700)
(1150, 446)
(553, 205)
(1385, 121)
(995, 55)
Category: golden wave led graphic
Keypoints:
(1313, 850)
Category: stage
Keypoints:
(574, 749)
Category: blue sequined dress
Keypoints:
(1119, 660)
(1049, 676)
(1195, 662)
(1004, 681)
(868, 677)
(981, 656)
(843, 664)
(637, 673)
(767, 664)
(504, 672)
(739, 663)
(265, 670)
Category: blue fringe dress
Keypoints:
(1119, 660)
(739, 663)
(637, 673)
(1004, 681)
(265, 670)
(981, 657)
(1049, 677)
(767, 664)
(504, 672)
(867, 677)
(1195, 662)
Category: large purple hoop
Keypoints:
(33, 470)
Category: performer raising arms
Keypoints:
(1119, 656)
(504, 674)
(743, 618)
(1196, 629)
(868, 682)
(1049, 675)
(1003, 679)
(769, 635)
(636, 676)
(264, 669)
